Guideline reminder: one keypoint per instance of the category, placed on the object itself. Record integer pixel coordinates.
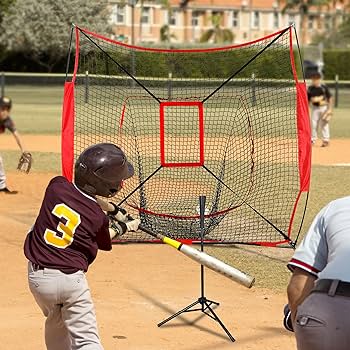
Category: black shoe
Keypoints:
(325, 144)
(7, 191)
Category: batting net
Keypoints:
(230, 123)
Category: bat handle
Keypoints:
(143, 228)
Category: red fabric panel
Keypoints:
(67, 132)
(304, 146)
(304, 137)
(163, 161)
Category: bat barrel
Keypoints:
(206, 260)
(218, 266)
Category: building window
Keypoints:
(291, 19)
(173, 18)
(328, 23)
(195, 18)
(256, 19)
(118, 14)
(146, 15)
(276, 22)
(310, 23)
(235, 19)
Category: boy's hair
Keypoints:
(316, 76)
(5, 103)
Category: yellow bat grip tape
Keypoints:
(172, 242)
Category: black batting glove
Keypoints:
(287, 320)
(120, 214)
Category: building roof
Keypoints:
(228, 3)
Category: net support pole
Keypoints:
(170, 76)
(203, 304)
(132, 4)
(2, 84)
(336, 94)
(202, 200)
(87, 83)
(253, 91)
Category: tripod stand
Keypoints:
(205, 305)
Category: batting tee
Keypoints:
(230, 123)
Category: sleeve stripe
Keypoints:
(303, 266)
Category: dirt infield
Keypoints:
(336, 154)
(136, 286)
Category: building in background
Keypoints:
(247, 19)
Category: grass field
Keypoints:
(38, 111)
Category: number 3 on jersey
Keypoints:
(65, 235)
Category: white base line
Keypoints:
(341, 164)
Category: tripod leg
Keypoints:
(178, 313)
(220, 323)
(213, 302)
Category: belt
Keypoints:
(37, 267)
(332, 287)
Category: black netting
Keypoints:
(208, 122)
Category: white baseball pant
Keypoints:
(66, 302)
(316, 122)
(2, 175)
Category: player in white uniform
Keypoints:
(319, 289)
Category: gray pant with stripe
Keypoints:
(66, 302)
(323, 323)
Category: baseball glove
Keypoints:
(25, 162)
(327, 116)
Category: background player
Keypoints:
(321, 103)
(64, 241)
(6, 122)
(319, 290)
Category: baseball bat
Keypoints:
(205, 259)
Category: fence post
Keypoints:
(253, 90)
(336, 94)
(2, 83)
(170, 88)
(86, 95)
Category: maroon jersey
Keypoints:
(7, 124)
(69, 229)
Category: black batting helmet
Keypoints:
(101, 169)
(5, 102)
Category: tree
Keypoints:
(165, 34)
(303, 7)
(217, 34)
(4, 6)
(41, 29)
(141, 18)
(338, 38)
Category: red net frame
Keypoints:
(70, 149)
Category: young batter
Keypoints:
(64, 241)
(7, 123)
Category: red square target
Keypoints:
(181, 134)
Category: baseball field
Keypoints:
(137, 285)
